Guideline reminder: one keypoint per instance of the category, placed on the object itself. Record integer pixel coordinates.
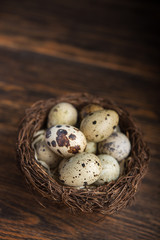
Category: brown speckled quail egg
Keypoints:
(99, 125)
(62, 113)
(91, 147)
(110, 169)
(65, 140)
(89, 109)
(45, 154)
(80, 170)
(117, 145)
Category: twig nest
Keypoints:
(117, 145)
(123, 166)
(62, 113)
(72, 183)
(110, 169)
(45, 167)
(54, 173)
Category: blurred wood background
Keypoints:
(53, 47)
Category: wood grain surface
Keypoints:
(50, 48)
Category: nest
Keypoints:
(106, 199)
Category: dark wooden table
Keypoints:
(49, 48)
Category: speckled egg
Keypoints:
(110, 169)
(80, 170)
(62, 113)
(65, 140)
(91, 147)
(99, 125)
(89, 109)
(117, 145)
(45, 154)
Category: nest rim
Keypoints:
(105, 199)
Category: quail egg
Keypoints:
(99, 125)
(45, 154)
(91, 147)
(110, 169)
(89, 109)
(80, 170)
(65, 140)
(117, 145)
(62, 113)
(37, 137)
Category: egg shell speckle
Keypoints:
(99, 125)
(65, 140)
(80, 170)
(62, 113)
(117, 145)
(110, 169)
(46, 155)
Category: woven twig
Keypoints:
(106, 199)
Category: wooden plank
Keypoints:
(113, 35)
(27, 77)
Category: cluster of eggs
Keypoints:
(88, 155)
